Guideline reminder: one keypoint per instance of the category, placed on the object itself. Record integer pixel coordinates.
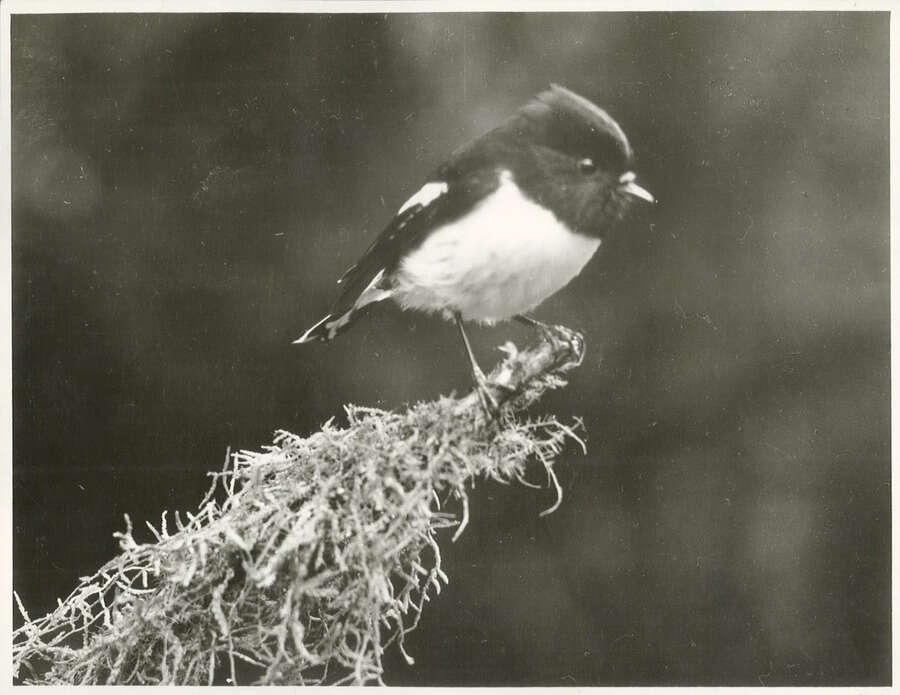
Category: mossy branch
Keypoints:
(306, 560)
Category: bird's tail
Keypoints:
(342, 315)
(328, 327)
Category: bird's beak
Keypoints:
(628, 185)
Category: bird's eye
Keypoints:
(587, 166)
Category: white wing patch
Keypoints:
(425, 195)
(372, 293)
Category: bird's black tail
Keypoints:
(328, 327)
(348, 307)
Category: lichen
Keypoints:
(304, 561)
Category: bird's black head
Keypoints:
(577, 160)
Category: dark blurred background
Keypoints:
(186, 189)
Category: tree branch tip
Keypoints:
(300, 551)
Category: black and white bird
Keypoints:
(505, 222)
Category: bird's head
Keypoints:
(580, 161)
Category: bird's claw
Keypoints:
(557, 337)
(560, 336)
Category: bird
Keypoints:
(506, 221)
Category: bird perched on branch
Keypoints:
(504, 223)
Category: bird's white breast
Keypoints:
(503, 258)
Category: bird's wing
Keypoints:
(449, 194)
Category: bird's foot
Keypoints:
(562, 337)
(558, 337)
(486, 391)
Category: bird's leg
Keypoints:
(532, 322)
(552, 334)
(488, 402)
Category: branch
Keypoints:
(306, 560)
